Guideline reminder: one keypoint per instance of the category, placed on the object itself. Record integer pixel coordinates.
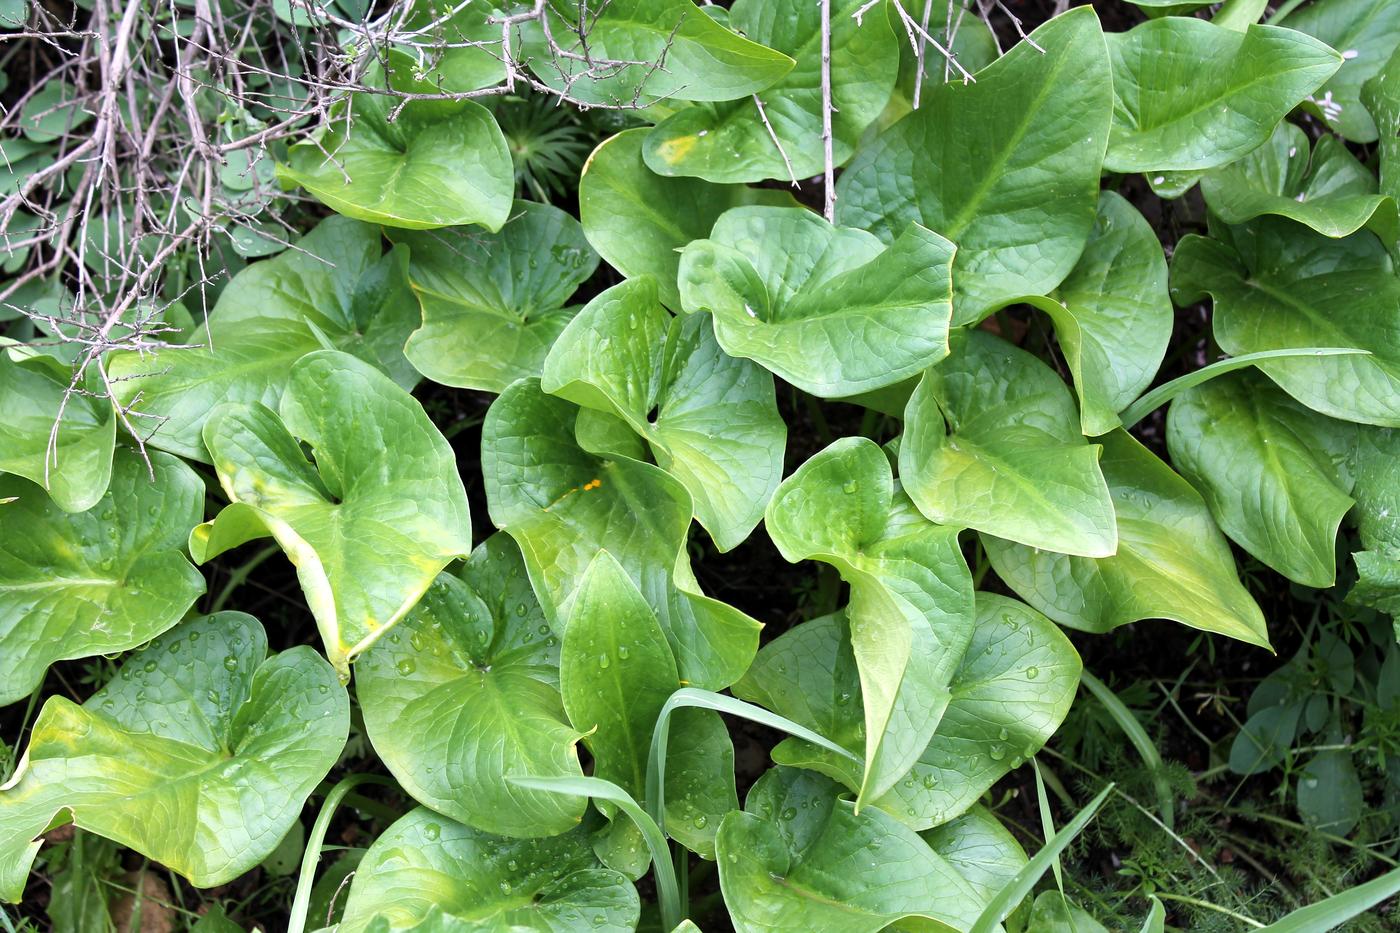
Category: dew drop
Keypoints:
(603, 661)
(788, 814)
(521, 609)
(506, 887)
(1032, 672)
(700, 821)
(406, 666)
(230, 663)
(1003, 735)
(431, 832)
(622, 652)
(850, 486)
(997, 752)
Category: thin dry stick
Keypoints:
(829, 173)
(920, 52)
(763, 115)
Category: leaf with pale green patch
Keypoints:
(75, 585)
(911, 594)
(370, 524)
(461, 695)
(1189, 94)
(1367, 33)
(199, 754)
(733, 142)
(494, 303)
(561, 503)
(638, 220)
(992, 442)
(1007, 168)
(334, 288)
(830, 309)
(709, 419)
(1278, 286)
(426, 867)
(1172, 560)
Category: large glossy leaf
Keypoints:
(457, 49)
(830, 309)
(1013, 688)
(1172, 560)
(463, 694)
(616, 673)
(1329, 190)
(32, 396)
(1007, 168)
(493, 303)
(334, 287)
(199, 754)
(1381, 95)
(1367, 33)
(74, 585)
(729, 142)
(1279, 286)
(1112, 313)
(799, 857)
(638, 220)
(709, 419)
(435, 164)
(1189, 94)
(911, 595)
(1269, 468)
(663, 50)
(992, 442)
(981, 849)
(561, 503)
(370, 524)
(425, 865)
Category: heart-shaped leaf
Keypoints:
(334, 288)
(639, 51)
(638, 220)
(800, 857)
(992, 442)
(1172, 560)
(493, 303)
(559, 502)
(370, 525)
(911, 594)
(738, 141)
(427, 866)
(1367, 33)
(1113, 314)
(32, 396)
(1242, 84)
(435, 164)
(1007, 168)
(830, 309)
(709, 419)
(1277, 286)
(74, 585)
(463, 694)
(1329, 190)
(199, 754)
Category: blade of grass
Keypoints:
(667, 888)
(306, 879)
(1138, 736)
(1019, 886)
(1339, 908)
(1156, 921)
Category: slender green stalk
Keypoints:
(1138, 736)
(1288, 6)
(301, 903)
(1339, 908)
(1207, 905)
(1240, 14)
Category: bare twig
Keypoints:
(829, 160)
(763, 115)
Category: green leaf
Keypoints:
(1172, 561)
(1268, 468)
(462, 694)
(1381, 94)
(493, 303)
(199, 754)
(829, 309)
(559, 502)
(911, 595)
(1329, 791)
(1332, 912)
(75, 585)
(729, 142)
(992, 442)
(1329, 191)
(1189, 94)
(1276, 285)
(1055, 913)
(1146, 748)
(1112, 314)
(672, 51)
(424, 865)
(1367, 33)
(1007, 168)
(982, 850)
(333, 287)
(800, 857)
(435, 164)
(33, 396)
(456, 48)
(710, 420)
(638, 220)
(370, 525)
